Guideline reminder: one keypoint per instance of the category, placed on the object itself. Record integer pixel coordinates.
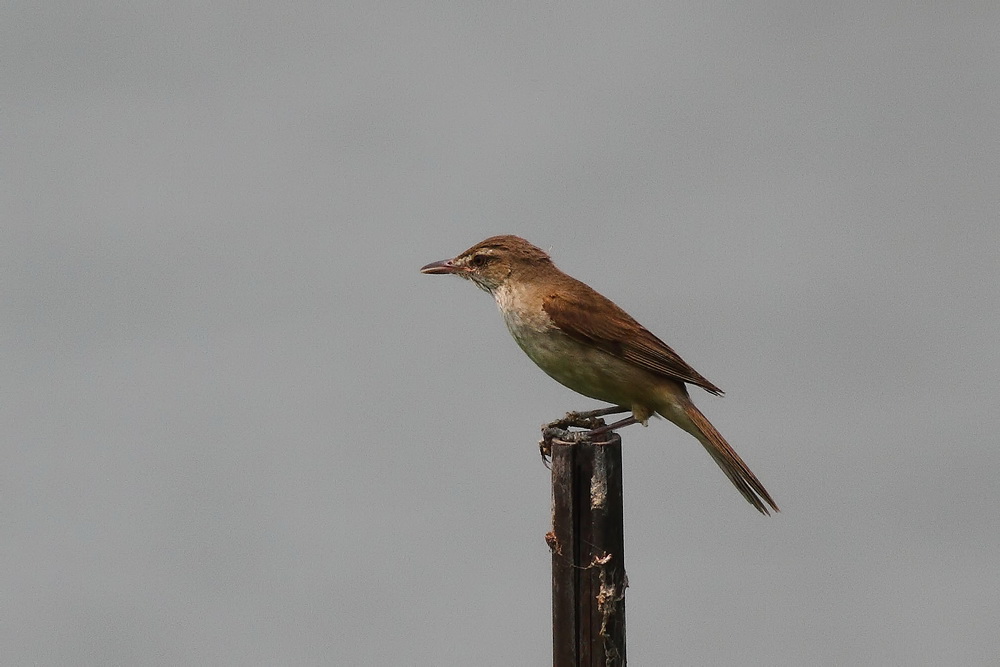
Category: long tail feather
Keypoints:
(730, 462)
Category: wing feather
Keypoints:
(611, 329)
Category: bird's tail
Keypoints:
(730, 462)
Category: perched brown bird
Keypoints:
(586, 342)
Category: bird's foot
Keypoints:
(559, 432)
(590, 421)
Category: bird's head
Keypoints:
(490, 263)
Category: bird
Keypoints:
(586, 342)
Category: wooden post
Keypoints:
(587, 543)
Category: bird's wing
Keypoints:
(613, 330)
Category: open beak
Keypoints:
(444, 266)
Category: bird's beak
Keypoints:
(444, 266)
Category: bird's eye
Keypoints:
(478, 260)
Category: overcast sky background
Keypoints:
(239, 427)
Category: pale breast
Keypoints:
(583, 368)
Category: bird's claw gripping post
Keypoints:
(590, 421)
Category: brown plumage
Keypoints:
(611, 329)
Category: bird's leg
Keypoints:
(600, 412)
(601, 430)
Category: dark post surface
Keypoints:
(587, 542)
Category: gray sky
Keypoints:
(239, 427)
